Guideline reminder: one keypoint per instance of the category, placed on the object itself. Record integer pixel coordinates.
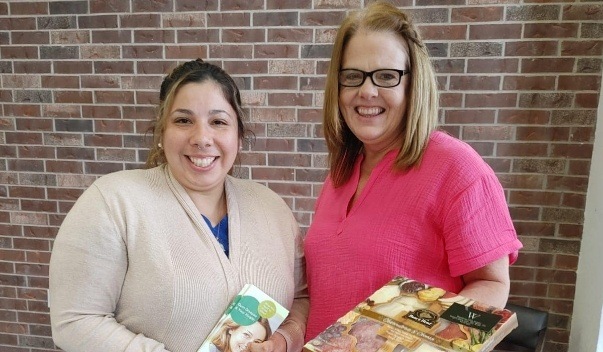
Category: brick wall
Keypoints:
(79, 82)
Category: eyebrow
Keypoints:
(211, 112)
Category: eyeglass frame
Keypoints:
(370, 74)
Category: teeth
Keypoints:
(369, 111)
(203, 162)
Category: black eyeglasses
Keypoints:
(385, 78)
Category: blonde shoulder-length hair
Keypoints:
(422, 109)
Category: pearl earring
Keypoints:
(159, 145)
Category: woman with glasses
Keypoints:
(401, 197)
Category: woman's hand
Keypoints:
(276, 343)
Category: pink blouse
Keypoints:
(433, 223)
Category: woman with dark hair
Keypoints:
(401, 197)
(148, 260)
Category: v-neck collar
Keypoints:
(386, 161)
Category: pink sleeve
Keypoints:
(478, 228)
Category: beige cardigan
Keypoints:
(135, 268)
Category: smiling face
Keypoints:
(201, 137)
(243, 335)
(375, 115)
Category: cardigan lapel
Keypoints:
(229, 265)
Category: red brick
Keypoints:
(500, 100)
(561, 291)
(567, 183)
(529, 83)
(569, 262)
(532, 133)
(312, 83)
(584, 12)
(272, 115)
(32, 67)
(278, 144)
(101, 111)
(31, 244)
(269, 51)
(185, 52)
(495, 31)
(281, 174)
(108, 6)
(579, 167)
(19, 52)
(291, 35)
(551, 30)
(529, 228)
(487, 133)
(575, 82)
(545, 100)
(61, 110)
(581, 151)
(574, 200)
(23, 110)
(142, 52)
(36, 318)
(40, 231)
(243, 35)
(60, 82)
(529, 288)
(535, 198)
(547, 65)
(477, 14)
(450, 100)
(151, 20)
(231, 51)
(522, 274)
(524, 213)
(30, 37)
(289, 99)
(111, 36)
(29, 8)
(582, 48)
(523, 181)
(531, 48)
(587, 100)
(31, 269)
(113, 97)
(444, 32)
(97, 21)
(102, 168)
(229, 19)
(113, 126)
(70, 67)
(13, 328)
(70, 37)
(475, 82)
(64, 166)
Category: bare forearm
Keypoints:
(494, 293)
(489, 284)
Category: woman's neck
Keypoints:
(372, 157)
(211, 204)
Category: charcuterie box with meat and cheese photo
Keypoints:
(409, 316)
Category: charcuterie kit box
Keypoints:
(409, 316)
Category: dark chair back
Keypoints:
(529, 334)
